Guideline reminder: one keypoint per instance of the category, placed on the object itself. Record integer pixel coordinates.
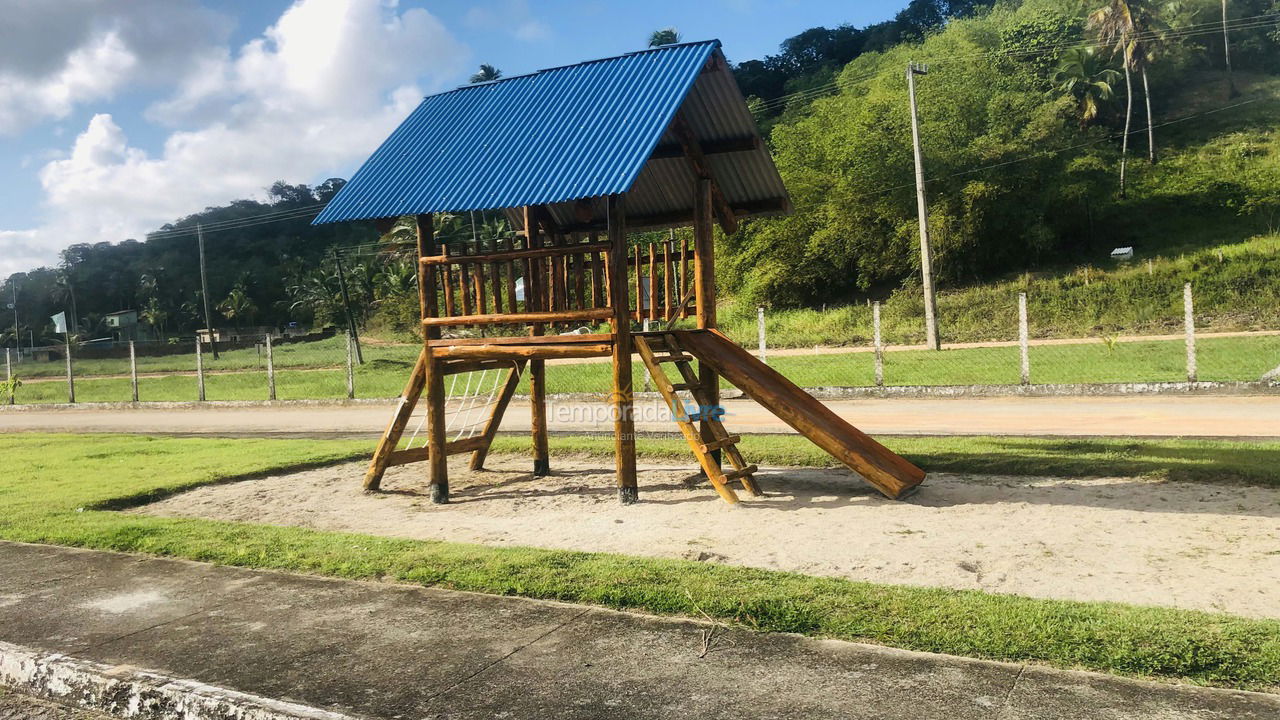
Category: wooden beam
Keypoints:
(704, 279)
(702, 169)
(570, 339)
(419, 454)
(747, 143)
(527, 318)
(517, 352)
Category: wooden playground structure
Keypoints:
(695, 161)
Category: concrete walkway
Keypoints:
(376, 650)
(1138, 415)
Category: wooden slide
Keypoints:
(888, 472)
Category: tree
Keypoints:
(154, 315)
(487, 73)
(665, 36)
(1132, 29)
(1082, 75)
(237, 306)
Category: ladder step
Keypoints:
(739, 474)
(675, 358)
(675, 387)
(721, 443)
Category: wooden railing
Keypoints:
(562, 281)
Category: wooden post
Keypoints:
(1024, 338)
(1189, 320)
(133, 371)
(271, 370)
(71, 381)
(438, 463)
(534, 296)
(875, 332)
(8, 374)
(200, 368)
(624, 429)
(704, 278)
(351, 369)
(760, 331)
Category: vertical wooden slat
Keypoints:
(684, 275)
(624, 420)
(668, 310)
(482, 303)
(653, 282)
(639, 264)
(449, 306)
(509, 244)
(464, 283)
(495, 274)
(580, 278)
(598, 279)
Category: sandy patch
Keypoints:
(1186, 545)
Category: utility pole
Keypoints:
(922, 208)
(204, 293)
(346, 305)
(17, 335)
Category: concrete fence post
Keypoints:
(1189, 320)
(1024, 338)
(71, 380)
(271, 370)
(351, 368)
(199, 370)
(875, 331)
(760, 331)
(8, 374)
(133, 371)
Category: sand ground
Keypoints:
(1138, 541)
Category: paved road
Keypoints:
(381, 651)
(1147, 415)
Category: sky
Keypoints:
(116, 117)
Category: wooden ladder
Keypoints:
(716, 437)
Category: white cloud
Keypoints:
(533, 31)
(515, 16)
(311, 97)
(57, 55)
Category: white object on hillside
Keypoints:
(1122, 253)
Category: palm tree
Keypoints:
(237, 305)
(1082, 75)
(1131, 28)
(487, 73)
(155, 316)
(665, 36)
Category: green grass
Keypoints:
(1240, 291)
(1219, 359)
(58, 486)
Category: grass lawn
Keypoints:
(387, 368)
(58, 487)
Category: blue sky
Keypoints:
(116, 117)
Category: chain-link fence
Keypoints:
(1020, 351)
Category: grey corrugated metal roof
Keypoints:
(580, 131)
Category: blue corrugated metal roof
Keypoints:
(572, 132)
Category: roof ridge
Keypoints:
(499, 81)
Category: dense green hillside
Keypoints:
(1020, 180)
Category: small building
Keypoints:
(124, 325)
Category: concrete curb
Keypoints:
(129, 692)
